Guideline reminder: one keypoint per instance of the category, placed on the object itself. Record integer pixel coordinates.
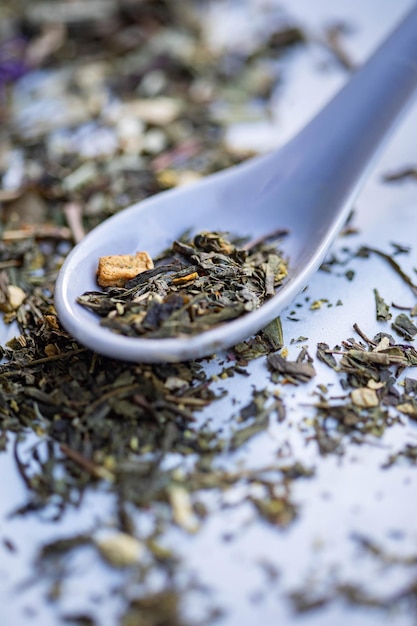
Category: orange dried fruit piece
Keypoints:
(115, 270)
(185, 279)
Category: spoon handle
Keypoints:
(328, 160)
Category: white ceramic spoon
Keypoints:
(306, 187)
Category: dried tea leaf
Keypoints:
(410, 386)
(253, 348)
(401, 174)
(382, 309)
(61, 547)
(279, 511)
(197, 283)
(162, 608)
(273, 333)
(409, 452)
(404, 326)
(324, 354)
(294, 371)
(243, 435)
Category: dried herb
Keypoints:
(366, 250)
(304, 600)
(196, 284)
(59, 547)
(163, 607)
(313, 596)
(333, 39)
(293, 371)
(382, 309)
(408, 453)
(79, 619)
(259, 411)
(273, 333)
(404, 326)
(325, 354)
(254, 347)
(146, 107)
(277, 510)
(406, 173)
(371, 372)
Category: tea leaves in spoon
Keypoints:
(196, 284)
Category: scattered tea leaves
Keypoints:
(406, 173)
(142, 110)
(325, 355)
(293, 371)
(408, 453)
(404, 326)
(366, 250)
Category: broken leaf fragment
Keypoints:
(325, 355)
(162, 608)
(197, 283)
(294, 371)
(404, 326)
(277, 510)
(382, 309)
(273, 333)
(243, 435)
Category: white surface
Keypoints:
(347, 495)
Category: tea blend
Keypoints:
(140, 103)
(193, 286)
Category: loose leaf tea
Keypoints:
(370, 374)
(312, 595)
(195, 285)
(158, 452)
(382, 309)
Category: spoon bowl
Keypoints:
(307, 187)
